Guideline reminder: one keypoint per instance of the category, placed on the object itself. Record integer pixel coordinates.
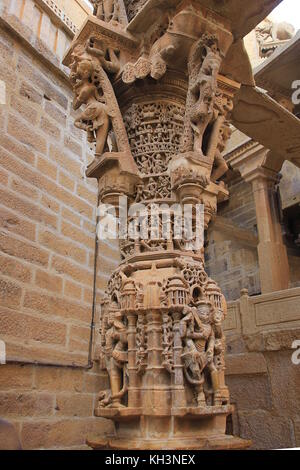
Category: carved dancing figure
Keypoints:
(199, 345)
(203, 66)
(95, 119)
(220, 166)
(115, 359)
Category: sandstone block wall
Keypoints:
(231, 253)
(262, 371)
(47, 239)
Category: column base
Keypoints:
(211, 443)
(201, 428)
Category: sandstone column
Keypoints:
(258, 167)
(158, 109)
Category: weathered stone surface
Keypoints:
(16, 377)
(59, 433)
(285, 383)
(79, 405)
(235, 344)
(20, 404)
(267, 430)
(56, 379)
(9, 439)
(250, 392)
(244, 364)
(297, 432)
(281, 340)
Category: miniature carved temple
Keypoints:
(158, 109)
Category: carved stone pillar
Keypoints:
(157, 108)
(257, 168)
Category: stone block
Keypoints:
(23, 250)
(21, 404)
(10, 294)
(14, 377)
(25, 134)
(48, 281)
(250, 392)
(76, 272)
(27, 327)
(266, 430)
(56, 379)
(285, 383)
(245, 364)
(13, 268)
(59, 433)
(52, 305)
(76, 405)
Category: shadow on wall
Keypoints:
(8, 436)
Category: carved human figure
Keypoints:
(199, 345)
(115, 358)
(220, 166)
(159, 164)
(106, 10)
(97, 48)
(95, 119)
(88, 78)
(203, 67)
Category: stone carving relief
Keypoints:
(154, 132)
(114, 356)
(161, 338)
(92, 64)
(202, 310)
(268, 31)
(270, 34)
(107, 10)
(203, 67)
(133, 7)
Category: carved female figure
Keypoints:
(199, 345)
(115, 358)
(95, 119)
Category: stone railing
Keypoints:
(261, 313)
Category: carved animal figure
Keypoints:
(269, 31)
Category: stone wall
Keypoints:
(232, 240)
(231, 253)
(47, 238)
(262, 378)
